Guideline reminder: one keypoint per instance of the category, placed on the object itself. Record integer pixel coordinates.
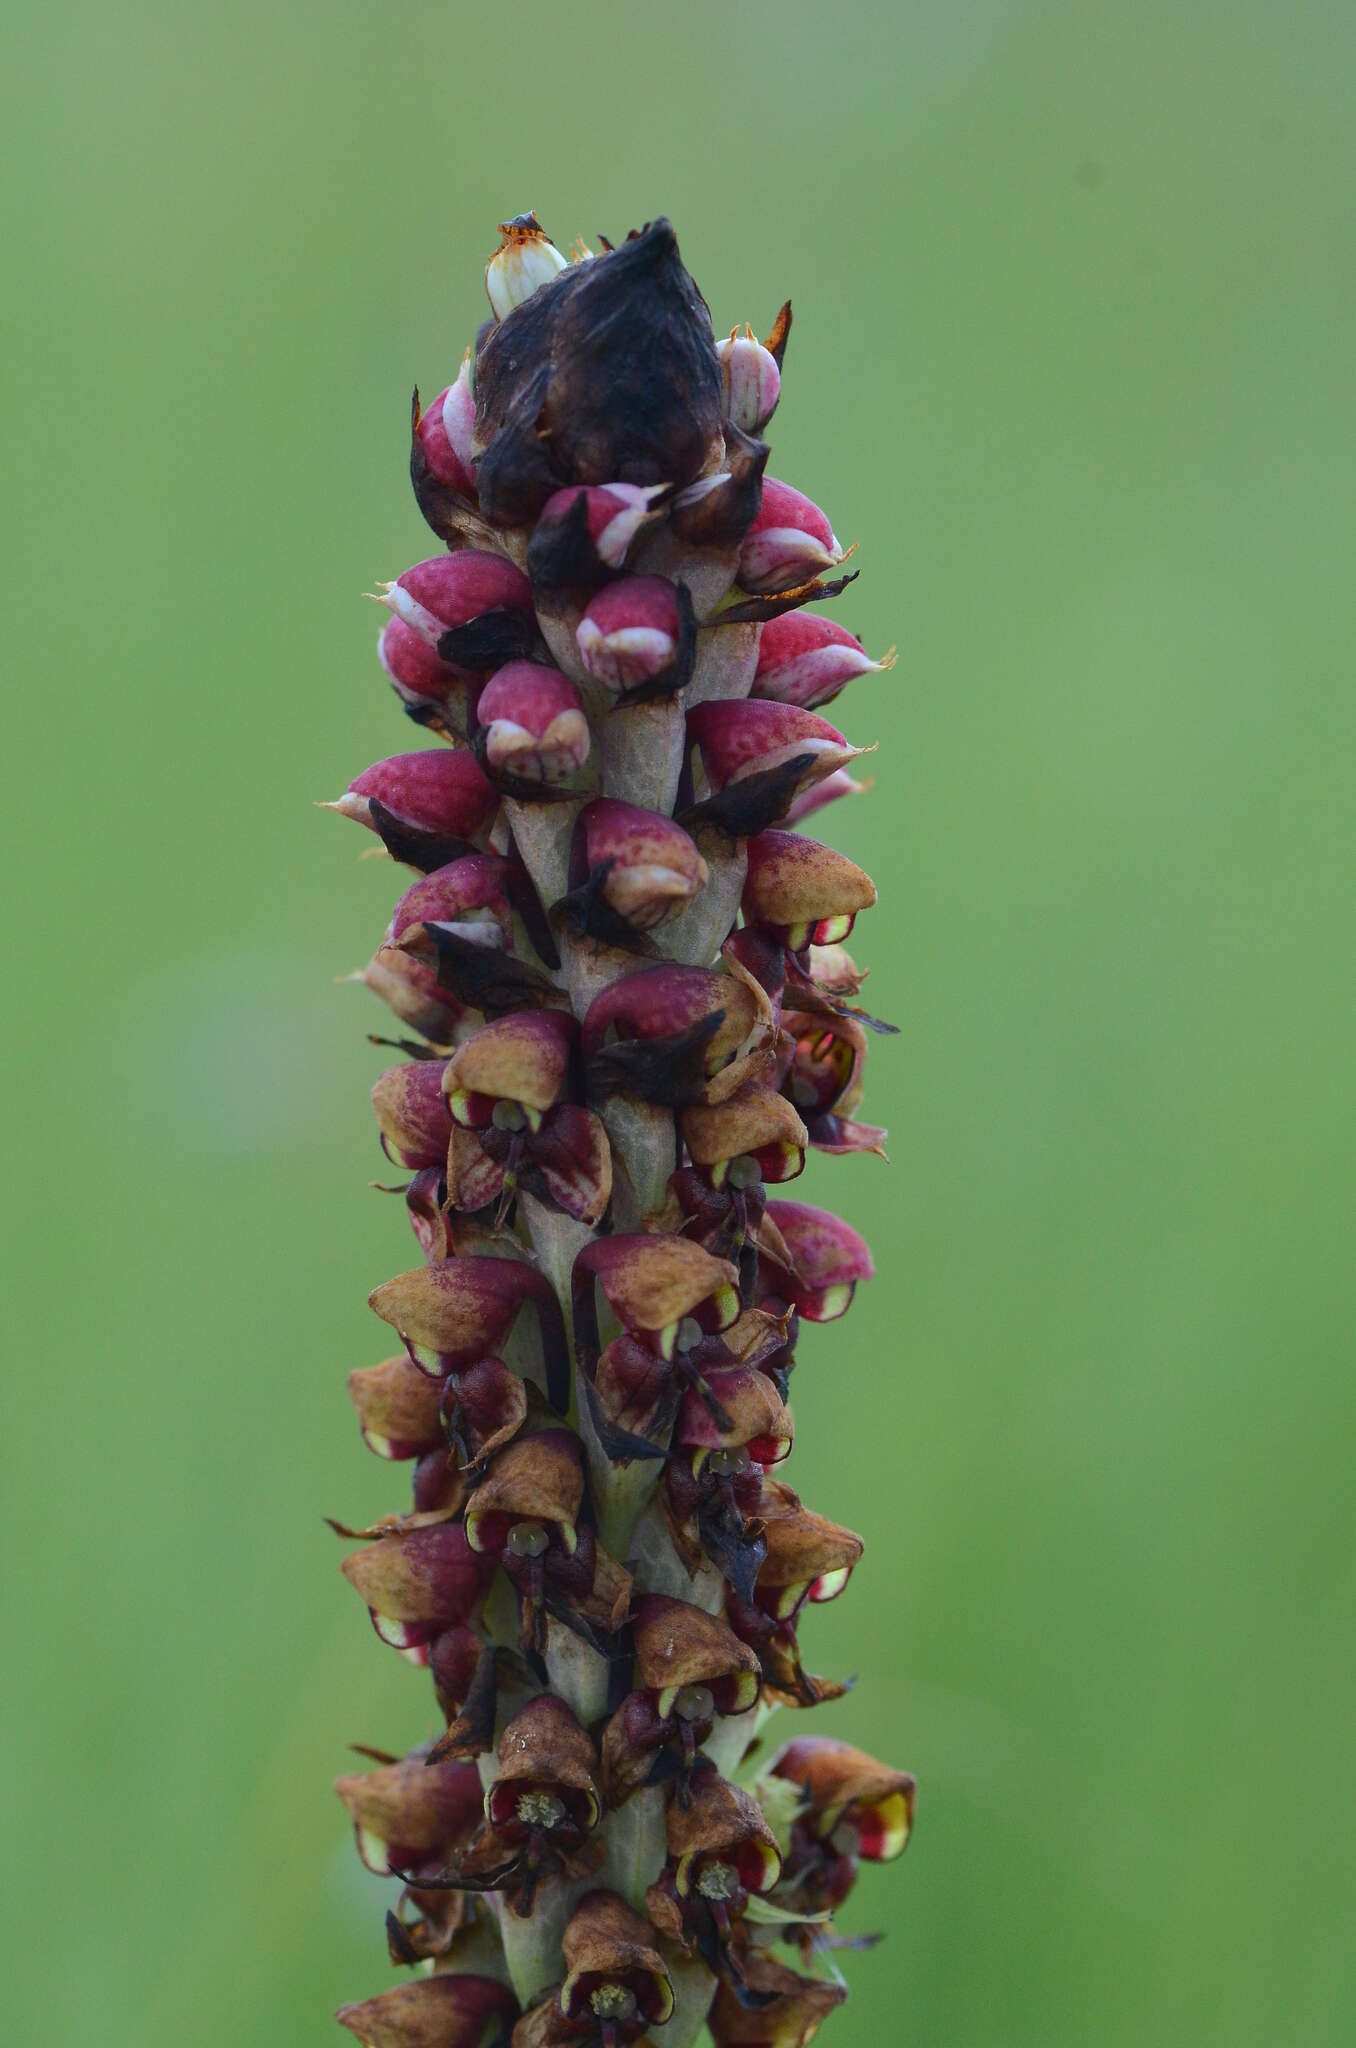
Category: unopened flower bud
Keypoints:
(750, 379)
(645, 867)
(421, 803)
(585, 531)
(444, 435)
(763, 756)
(432, 691)
(789, 542)
(806, 659)
(411, 1113)
(449, 2011)
(443, 598)
(410, 989)
(801, 892)
(629, 632)
(828, 1258)
(526, 259)
(468, 897)
(533, 730)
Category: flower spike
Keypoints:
(625, 1022)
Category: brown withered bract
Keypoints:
(606, 375)
(624, 1020)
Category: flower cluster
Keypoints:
(621, 967)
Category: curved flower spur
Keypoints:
(623, 968)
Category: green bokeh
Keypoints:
(1074, 291)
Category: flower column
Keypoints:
(632, 1016)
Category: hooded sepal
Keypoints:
(689, 1668)
(721, 1853)
(809, 1558)
(457, 1310)
(801, 893)
(827, 1258)
(786, 2010)
(418, 1582)
(409, 1816)
(449, 2011)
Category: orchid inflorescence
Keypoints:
(621, 967)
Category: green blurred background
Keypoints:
(1072, 360)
